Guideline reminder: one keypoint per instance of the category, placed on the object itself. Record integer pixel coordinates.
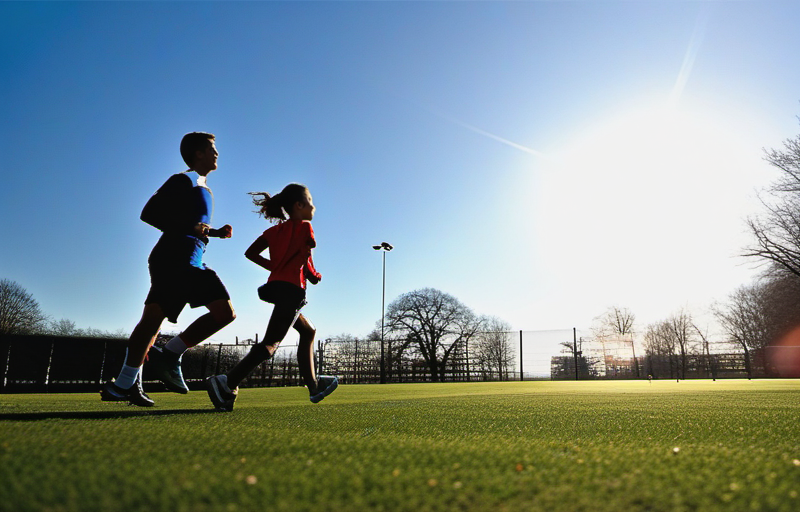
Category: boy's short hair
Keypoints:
(192, 142)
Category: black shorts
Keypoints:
(174, 287)
(284, 293)
(288, 299)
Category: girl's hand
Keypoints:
(312, 277)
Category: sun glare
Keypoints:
(646, 196)
(648, 170)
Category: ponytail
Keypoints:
(275, 208)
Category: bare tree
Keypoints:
(433, 321)
(745, 321)
(758, 315)
(679, 327)
(777, 231)
(494, 348)
(659, 348)
(19, 311)
(615, 321)
(615, 327)
(63, 327)
(711, 365)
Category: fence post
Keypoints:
(320, 356)
(466, 356)
(49, 365)
(219, 356)
(5, 359)
(521, 378)
(103, 362)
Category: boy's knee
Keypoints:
(224, 316)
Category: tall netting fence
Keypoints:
(486, 356)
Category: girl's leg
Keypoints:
(279, 323)
(305, 352)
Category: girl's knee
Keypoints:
(305, 328)
(263, 351)
(307, 332)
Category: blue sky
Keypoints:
(541, 161)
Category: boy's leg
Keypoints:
(167, 362)
(127, 386)
(144, 334)
(220, 313)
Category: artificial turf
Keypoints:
(521, 446)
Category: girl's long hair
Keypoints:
(276, 208)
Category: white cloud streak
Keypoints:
(490, 135)
(689, 58)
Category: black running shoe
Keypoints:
(134, 396)
(167, 368)
(221, 399)
(325, 386)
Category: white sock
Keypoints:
(176, 346)
(127, 376)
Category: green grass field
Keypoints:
(549, 446)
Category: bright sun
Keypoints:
(654, 197)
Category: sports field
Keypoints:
(549, 446)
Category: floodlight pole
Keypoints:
(383, 247)
(575, 350)
(383, 313)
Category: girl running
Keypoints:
(290, 265)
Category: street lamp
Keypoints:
(384, 247)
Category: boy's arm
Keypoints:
(253, 253)
(163, 209)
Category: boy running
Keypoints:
(182, 210)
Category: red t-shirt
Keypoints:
(290, 245)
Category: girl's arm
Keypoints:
(253, 253)
(311, 274)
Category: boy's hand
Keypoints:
(225, 231)
(202, 230)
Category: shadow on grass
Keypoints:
(99, 415)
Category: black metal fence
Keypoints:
(40, 364)
(51, 364)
